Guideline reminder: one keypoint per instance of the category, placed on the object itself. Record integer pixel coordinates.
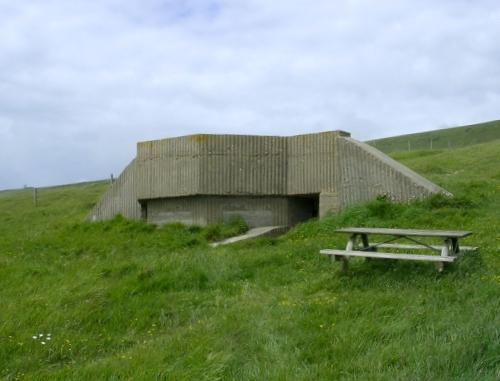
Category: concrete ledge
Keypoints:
(264, 231)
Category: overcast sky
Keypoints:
(82, 81)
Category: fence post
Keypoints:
(35, 197)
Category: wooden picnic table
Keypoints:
(449, 248)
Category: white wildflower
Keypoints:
(43, 343)
(49, 338)
(35, 337)
(40, 334)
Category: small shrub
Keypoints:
(212, 232)
(194, 229)
(440, 200)
(235, 226)
(381, 207)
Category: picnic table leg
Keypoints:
(439, 266)
(366, 244)
(351, 242)
(349, 247)
(455, 248)
(364, 239)
(445, 251)
(345, 264)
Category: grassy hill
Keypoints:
(441, 139)
(125, 300)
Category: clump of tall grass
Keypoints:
(233, 227)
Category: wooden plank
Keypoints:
(407, 232)
(417, 247)
(371, 254)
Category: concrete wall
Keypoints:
(311, 163)
(237, 165)
(211, 164)
(365, 173)
(258, 177)
(243, 165)
(256, 211)
(328, 203)
(169, 167)
(202, 210)
(120, 198)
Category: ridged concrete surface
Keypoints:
(365, 173)
(311, 163)
(120, 198)
(243, 165)
(168, 167)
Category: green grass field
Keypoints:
(446, 138)
(126, 301)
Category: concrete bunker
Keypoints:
(266, 180)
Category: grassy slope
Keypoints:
(441, 139)
(125, 301)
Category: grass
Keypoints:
(447, 138)
(126, 300)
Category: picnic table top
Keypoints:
(407, 232)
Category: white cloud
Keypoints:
(81, 82)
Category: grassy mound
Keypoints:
(127, 300)
(446, 138)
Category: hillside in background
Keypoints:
(447, 138)
(124, 300)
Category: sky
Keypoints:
(81, 82)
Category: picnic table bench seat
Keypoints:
(374, 254)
